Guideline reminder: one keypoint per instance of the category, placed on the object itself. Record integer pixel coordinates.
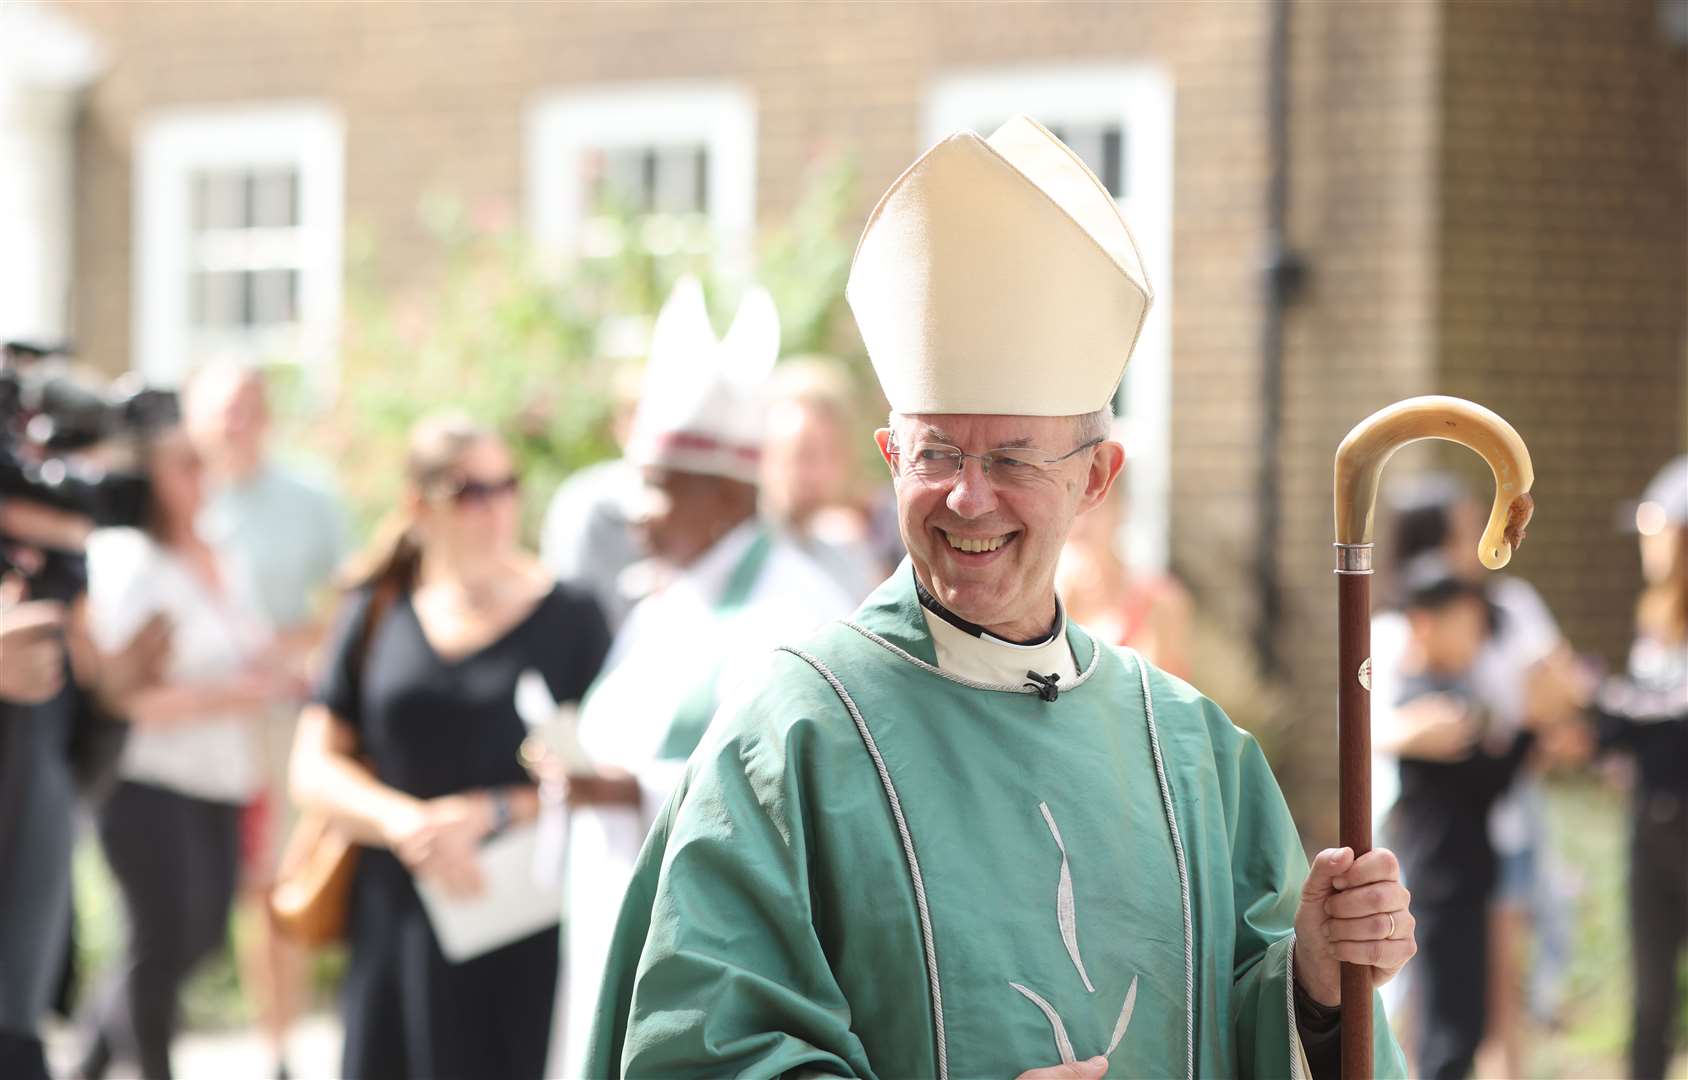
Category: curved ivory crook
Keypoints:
(1361, 457)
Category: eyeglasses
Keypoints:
(475, 492)
(939, 463)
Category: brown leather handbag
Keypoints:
(313, 883)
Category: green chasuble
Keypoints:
(876, 868)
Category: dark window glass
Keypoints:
(671, 179)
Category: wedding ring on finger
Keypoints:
(1390, 936)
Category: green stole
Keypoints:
(876, 868)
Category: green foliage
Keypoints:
(805, 262)
(535, 350)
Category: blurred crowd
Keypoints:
(208, 662)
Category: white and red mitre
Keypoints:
(701, 410)
(997, 276)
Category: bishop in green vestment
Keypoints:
(955, 835)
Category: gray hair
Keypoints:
(1094, 425)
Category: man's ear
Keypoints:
(883, 438)
(1105, 466)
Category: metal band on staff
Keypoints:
(1353, 558)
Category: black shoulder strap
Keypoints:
(381, 597)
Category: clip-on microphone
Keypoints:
(1045, 685)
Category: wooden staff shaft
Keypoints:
(1354, 740)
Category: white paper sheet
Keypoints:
(556, 724)
(512, 905)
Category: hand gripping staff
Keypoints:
(1359, 462)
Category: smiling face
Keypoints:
(986, 548)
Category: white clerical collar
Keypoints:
(989, 659)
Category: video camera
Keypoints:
(49, 418)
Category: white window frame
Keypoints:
(564, 126)
(1140, 98)
(172, 146)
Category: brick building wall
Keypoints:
(1364, 142)
(1564, 212)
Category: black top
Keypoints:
(432, 727)
(1440, 821)
(1646, 713)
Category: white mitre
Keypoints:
(998, 276)
(701, 407)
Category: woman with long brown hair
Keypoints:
(411, 745)
(1645, 712)
(171, 828)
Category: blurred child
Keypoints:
(1525, 674)
(1454, 763)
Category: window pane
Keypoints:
(700, 186)
(669, 179)
(199, 196)
(682, 179)
(275, 295)
(218, 298)
(623, 182)
(1113, 160)
(275, 199)
(649, 185)
(219, 200)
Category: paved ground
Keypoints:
(313, 1053)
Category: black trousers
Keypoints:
(176, 860)
(1658, 921)
(22, 1057)
(1451, 979)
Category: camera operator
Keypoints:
(58, 736)
(37, 819)
(57, 740)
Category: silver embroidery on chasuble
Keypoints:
(1066, 919)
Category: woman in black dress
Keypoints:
(412, 746)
